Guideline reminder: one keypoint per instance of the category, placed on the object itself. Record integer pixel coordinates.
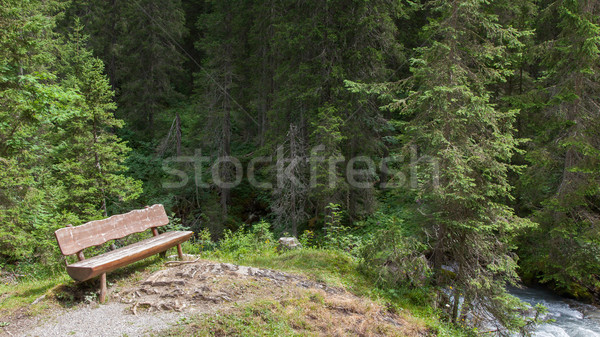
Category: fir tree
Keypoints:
(316, 46)
(562, 185)
(31, 100)
(89, 156)
(447, 115)
(223, 28)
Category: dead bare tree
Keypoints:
(291, 191)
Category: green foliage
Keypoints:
(144, 62)
(204, 241)
(243, 243)
(307, 239)
(175, 224)
(466, 143)
(561, 186)
(338, 236)
(60, 161)
(89, 156)
(486, 96)
(333, 266)
(31, 101)
(396, 259)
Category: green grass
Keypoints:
(307, 314)
(264, 318)
(21, 294)
(56, 284)
(332, 267)
(339, 269)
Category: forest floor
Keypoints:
(201, 297)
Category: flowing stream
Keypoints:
(572, 318)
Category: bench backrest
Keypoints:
(72, 240)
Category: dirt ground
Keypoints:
(185, 288)
(193, 286)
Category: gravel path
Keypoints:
(113, 319)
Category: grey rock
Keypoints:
(289, 243)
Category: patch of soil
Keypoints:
(193, 285)
(348, 315)
(16, 321)
(206, 287)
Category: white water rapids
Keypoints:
(572, 318)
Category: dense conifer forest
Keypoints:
(451, 146)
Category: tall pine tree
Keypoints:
(89, 156)
(562, 185)
(465, 144)
(30, 101)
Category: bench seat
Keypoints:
(94, 266)
(75, 239)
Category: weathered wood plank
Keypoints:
(92, 267)
(75, 239)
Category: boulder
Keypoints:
(288, 243)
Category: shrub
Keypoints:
(241, 243)
(395, 259)
(307, 239)
(337, 236)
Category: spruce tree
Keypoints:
(316, 46)
(31, 100)
(140, 43)
(219, 82)
(89, 156)
(562, 185)
(149, 59)
(465, 144)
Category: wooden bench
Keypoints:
(73, 240)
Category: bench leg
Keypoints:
(103, 288)
(179, 252)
